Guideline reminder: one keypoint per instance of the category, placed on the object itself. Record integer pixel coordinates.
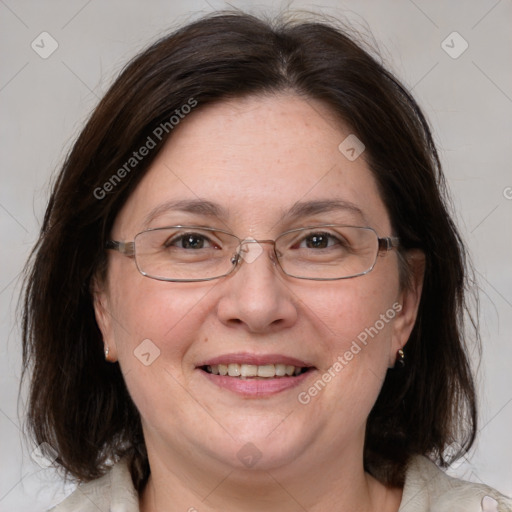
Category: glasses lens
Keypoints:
(184, 253)
(327, 252)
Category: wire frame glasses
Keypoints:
(197, 253)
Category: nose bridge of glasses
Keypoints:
(254, 241)
(250, 249)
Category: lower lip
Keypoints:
(256, 387)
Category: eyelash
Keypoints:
(171, 242)
(179, 238)
(330, 236)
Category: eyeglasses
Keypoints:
(195, 253)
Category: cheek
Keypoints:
(359, 309)
(155, 317)
(354, 320)
(355, 328)
(157, 324)
(360, 314)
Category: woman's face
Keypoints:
(255, 162)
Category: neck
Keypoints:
(335, 484)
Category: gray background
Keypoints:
(468, 100)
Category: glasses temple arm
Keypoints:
(127, 248)
(388, 243)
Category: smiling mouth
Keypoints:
(256, 372)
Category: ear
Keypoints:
(409, 301)
(103, 316)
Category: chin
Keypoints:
(262, 445)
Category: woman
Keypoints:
(248, 291)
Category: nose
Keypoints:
(256, 295)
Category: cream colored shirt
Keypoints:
(427, 489)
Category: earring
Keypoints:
(107, 350)
(400, 359)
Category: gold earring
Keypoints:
(107, 350)
(400, 359)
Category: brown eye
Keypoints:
(192, 242)
(189, 241)
(319, 241)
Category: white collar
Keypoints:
(427, 489)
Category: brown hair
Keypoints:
(79, 404)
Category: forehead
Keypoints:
(257, 161)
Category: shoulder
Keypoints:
(429, 489)
(113, 491)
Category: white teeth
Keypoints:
(248, 370)
(234, 370)
(214, 369)
(252, 370)
(280, 370)
(267, 370)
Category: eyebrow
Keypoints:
(210, 209)
(309, 208)
(197, 206)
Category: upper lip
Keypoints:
(256, 359)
